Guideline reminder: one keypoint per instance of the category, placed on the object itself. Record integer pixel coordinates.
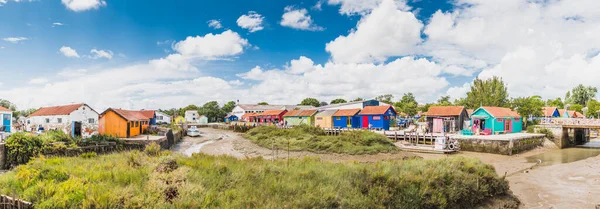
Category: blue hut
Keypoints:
(346, 119)
(551, 112)
(377, 117)
(5, 120)
(231, 117)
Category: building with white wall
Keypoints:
(162, 118)
(352, 105)
(191, 116)
(242, 109)
(62, 118)
(5, 120)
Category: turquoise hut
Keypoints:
(496, 120)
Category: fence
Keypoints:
(7, 202)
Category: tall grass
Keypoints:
(314, 139)
(202, 181)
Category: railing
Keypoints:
(570, 121)
(7, 202)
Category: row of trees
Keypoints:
(211, 109)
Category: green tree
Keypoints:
(24, 113)
(555, 103)
(528, 106)
(386, 98)
(444, 101)
(8, 105)
(338, 101)
(581, 94)
(408, 104)
(576, 108)
(460, 102)
(593, 108)
(358, 99)
(490, 92)
(323, 103)
(212, 111)
(228, 107)
(425, 107)
(263, 103)
(311, 102)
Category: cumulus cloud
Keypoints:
(385, 32)
(3, 2)
(68, 52)
(38, 81)
(70, 73)
(298, 19)
(101, 54)
(251, 21)
(54, 24)
(15, 40)
(83, 5)
(363, 7)
(216, 24)
(212, 46)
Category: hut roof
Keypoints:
(445, 111)
(470, 112)
(148, 113)
(548, 111)
(4, 109)
(327, 113)
(307, 113)
(129, 115)
(375, 110)
(348, 112)
(248, 115)
(562, 112)
(501, 112)
(271, 112)
(56, 110)
(292, 113)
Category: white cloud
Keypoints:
(56, 24)
(318, 6)
(385, 32)
(101, 54)
(212, 46)
(251, 21)
(38, 81)
(68, 51)
(2, 2)
(457, 92)
(71, 73)
(363, 7)
(15, 40)
(298, 19)
(83, 5)
(216, 24)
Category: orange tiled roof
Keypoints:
(562, 112)
(307, 113)
(348, 112)
(248, 115)
(501, 112)
(470, 112)
(375, 110)
(444, 111)
(548, 111)
(4, 109)
(291, 113)
(148, 113)
(56, 110)
(130, 115)
(271, 112)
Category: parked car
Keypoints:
(193, 131)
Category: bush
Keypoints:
(88, 155)
(530, 129)
(22, 147)
(153, 149)
(226, 182)
(314, 139)
(546, 132)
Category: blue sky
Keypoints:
(428, 47)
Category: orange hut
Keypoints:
(122, 123)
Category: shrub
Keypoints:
(547, 132)
(153, 149)
(530, 129)
(314, 139)
(227, 182)
(100, 139)
(22, 147)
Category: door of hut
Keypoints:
(365, 121)
(508, 126)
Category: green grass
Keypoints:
(307, 138)
(137, 180)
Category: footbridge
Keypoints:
(570, 131)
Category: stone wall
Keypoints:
(3, 156)
(560, 138)
(504, 147)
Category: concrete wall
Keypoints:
(2, 156)
(504, 147)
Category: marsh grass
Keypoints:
(314, 139)
(203, 181)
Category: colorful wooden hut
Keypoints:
(346, 119)
(324, 119)
(377, 117)
(291, 118)
(446, 119)
(122, 123)
(179, 120)
(231, 117)
(5, 120)
(496, 120)
(564, 113)
(271, 116)
(550, 112)
(307, 117)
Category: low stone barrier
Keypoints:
(504, 147)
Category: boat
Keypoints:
(193, 131)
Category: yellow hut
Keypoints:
(324, 119)
(179, 120)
